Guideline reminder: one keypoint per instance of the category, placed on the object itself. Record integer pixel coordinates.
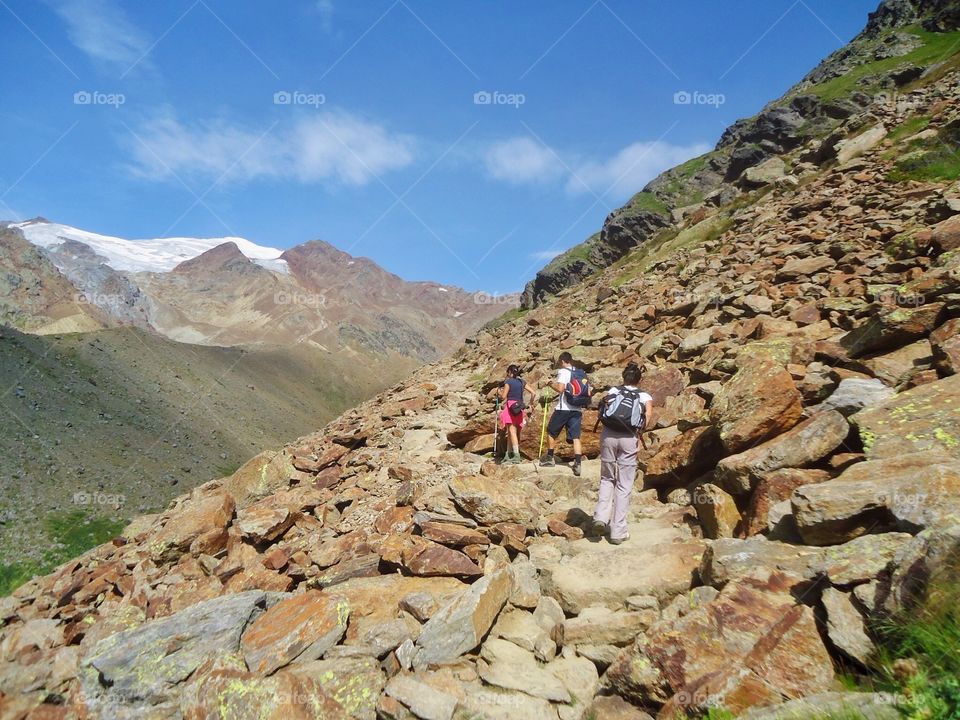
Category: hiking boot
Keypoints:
(598, 528)
(576, 469)
(548, 461)
(619, 541)
(513, 460)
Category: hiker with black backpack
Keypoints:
(574, 388)
(513, 416)
(623, 412)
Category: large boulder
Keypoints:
(906, 493)
(298, 629)
(717, 511)
(199, 525)
(758, 403)
(924, 418)
(855, 394)
(806, 443)
(139, 668)
(752, 645)
(684, 458)
(891, 329)
(489, 501)
(461, 624)
(766, 511)
(858, 561)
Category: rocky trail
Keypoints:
(800, 485)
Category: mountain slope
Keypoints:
(905, 44)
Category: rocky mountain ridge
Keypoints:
(799, 490)
(904, 44)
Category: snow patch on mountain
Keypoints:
(155, 255)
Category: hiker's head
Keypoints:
(565, 359)
(513, 371)
(632, 373)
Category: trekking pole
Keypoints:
(543, 430)
(496, 426)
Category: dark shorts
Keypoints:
(569, 419)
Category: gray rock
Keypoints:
(854, 394)
(424, 701)
(461, 624)
(869, 706)
(140, 667)
(845, 627)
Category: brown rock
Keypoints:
(804, 444)
(892, 329)
(684, 458)
(396, 520)
(489, 501)
(945, 343)
(945, 236)
(717, 511)
(765, 650)
(433, 560)
(199, 526)
(264, 521)
(773, 488)
(455, 535)
(759, 402)
(298, 629)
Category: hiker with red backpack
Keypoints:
(513, 416)
(574, 388)
(624, 413)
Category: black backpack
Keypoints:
(623, 411)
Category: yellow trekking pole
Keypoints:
(543, 430)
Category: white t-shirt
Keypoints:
(563, 377)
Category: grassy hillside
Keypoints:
(100, 427)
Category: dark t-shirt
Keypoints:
(515, 391)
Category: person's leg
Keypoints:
(554, 426)
(608, 481)
(514, 440)
(626, 458)
(573, 433)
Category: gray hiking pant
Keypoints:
(618, 469)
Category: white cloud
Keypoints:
(102, 30)
(334, 146)
(525, 161)
(325, 9)
(522, 160)
(631, 168)
(545, 254)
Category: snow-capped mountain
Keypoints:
(154, 255)
(228, 291)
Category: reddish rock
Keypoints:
(776, 487)
(474, 429)
(264, 521)
(199, 526)
(557, 526)
(450, 534)
(434, 560)
(945, 342)
(396, 520)
(945, 236)
(684, 458)
(299, 628)
(752, 645)
(759, 402)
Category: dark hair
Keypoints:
(566, 357)
(632, 373)
(513, 371)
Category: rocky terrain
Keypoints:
(799, 494)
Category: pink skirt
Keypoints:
(507, 419)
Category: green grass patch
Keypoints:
(70, 534)
(646, 201)
(933, 159)
(936, 48)
(508, 317)
(910, 126)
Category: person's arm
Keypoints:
(503, 392)
(560, 387)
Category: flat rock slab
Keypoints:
(905, 493)
(868, 706)
(140, 667)
(302, 627)
(924, 418)
(658, 559)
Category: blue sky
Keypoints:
(463, 142)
